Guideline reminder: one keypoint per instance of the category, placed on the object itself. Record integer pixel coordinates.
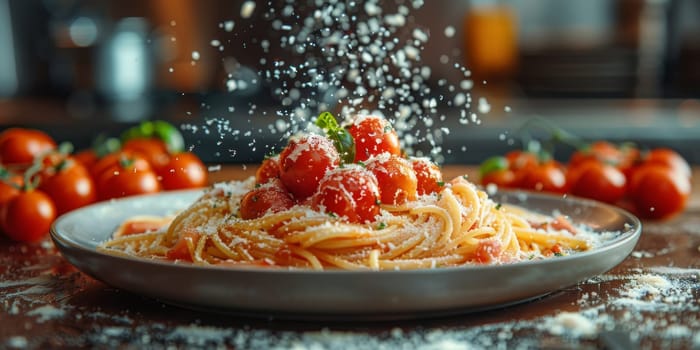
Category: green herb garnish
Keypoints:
(341, 138)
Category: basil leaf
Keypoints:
(342, 140)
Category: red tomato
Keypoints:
(428, 175)
(668, 158)
(595, 180)
(130, 176)
(488, 251)
(373, 136)
(268, 170)
(497, 170)
(518, 160)
(622, 157)
(87, 158)
(136, 227)
(27, 217)
(268, 198)
(183, 170)
(350, 192)
(304, 162)
(19, 146)
(181, 250)
(9, 188)
(118, 159)
(69, 187)
(154, 150)
(396, 178)
(548, 176)
(601, 151)
(658, 192)
(501, 178)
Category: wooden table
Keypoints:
(651, 300)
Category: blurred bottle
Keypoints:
(490, 40)
(125, 70)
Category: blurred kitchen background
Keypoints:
(624, 70)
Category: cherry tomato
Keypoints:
(601, 151)
(488, 251)
(548, 176)
(623, 157)
(658, 192)
(183, 170)
(27, 217)
(70, 187)
(595, 180)
(518, 160)
(373, 136)
(268, 170)
(9, 188)
(350, 192)
(20, 146)
(304, 162)
(143, 226)
(88, 158)
(668, 158)
(428, 175)
(130, 176)
(154, 150)
(497, 171)
(181, 250)
(396, 178)
(501, 178)
(117, 159)
(268, 198)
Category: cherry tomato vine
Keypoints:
(652, 183)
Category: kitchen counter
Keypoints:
(650, 300)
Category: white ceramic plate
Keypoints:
(343, 294)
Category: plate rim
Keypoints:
(409, 304)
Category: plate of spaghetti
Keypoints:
(344, 225)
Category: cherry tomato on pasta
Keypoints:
(69, 185)
(428, 175)
(20, 146)
(351, 192)
(373, 136)
(181, 171)
(488, 251)
(596, 180)
(268, 198)
(396, 178)
(658, 192)
(304, 162)
(27, 216)
(181, 249)
(269, 169)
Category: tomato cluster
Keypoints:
(42, 180)
(654, 184)
(347, 174)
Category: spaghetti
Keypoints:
(459, 225)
